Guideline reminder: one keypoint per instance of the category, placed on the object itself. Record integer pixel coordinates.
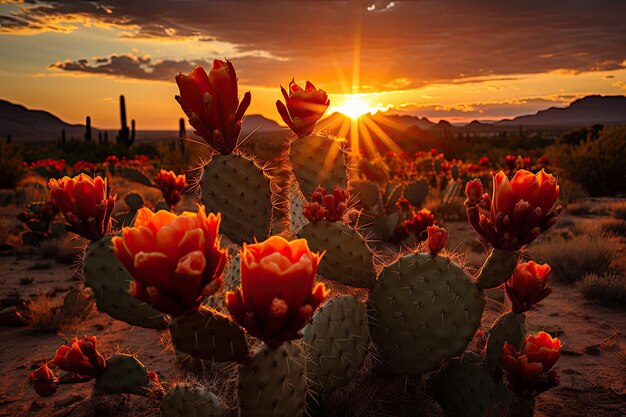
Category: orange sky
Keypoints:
(458, 61)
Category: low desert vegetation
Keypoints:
(606, 289)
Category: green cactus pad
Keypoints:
(110, 281)
(416, 192)
(466, 389)
(273, 383)
(134, 201)
(124, 375)
(393, 193)
(348, 258)
(338, 338)
(423, 310)
(296, 207)
(78, 302)
(239, 189)
(188, 401)
(209, 335)
(318, 160)
(497, 269)
(510, 327)
(366, 192)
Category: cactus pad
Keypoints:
(296, 207)
(466, 389)
(124, 375)
(366, 192)
(423, 310)
(209, 335)
(497, 268)
(348, 258)
(511, 328)
(187, 401)
(318, 160)
(338, 339)
(110, 282)
(78, 302)
(273, 383)
(239, 189)
(416, 192)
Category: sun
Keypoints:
(353, 107)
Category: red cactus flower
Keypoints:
(521, 210)
(84, 203)
(528, 370)
(416, 225)
(211, 102)
(171, 186)
(544, 161)
(302, 108)
(510, 161)
(80, 358)
(43, 381)
(437, 239)
(175, 260)
(326, 206)
(527, 163)
(277, 295)
(484, 162)
(527, 285)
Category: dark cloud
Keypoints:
(407, 45)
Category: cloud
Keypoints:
(411, 43)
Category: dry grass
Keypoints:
(45, 314)
(607, 289)
(618, 210)
(615, 226)
(572, 258)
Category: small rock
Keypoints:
(592, 350)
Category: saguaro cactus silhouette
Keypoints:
(125, 135)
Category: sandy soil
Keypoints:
(592, 367)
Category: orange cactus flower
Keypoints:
(80, 358)
(518, 211)
(84, 203)
(303, 107)
(176, 260)
(211, 102)
(528, 370)
(43, 381)
(527, 285)
(437, 239)
(171, 186)
(278, 294)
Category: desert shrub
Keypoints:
(45, 315)
(618, 210)
(10, 164)
(571, 259)
(571, 192)
(614, 226)
(180, 160)
(608, 288)
(596, 164)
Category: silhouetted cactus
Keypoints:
(125, 135)
(182, 134)
(88, 128)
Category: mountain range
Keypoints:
(35, 125)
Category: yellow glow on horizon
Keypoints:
(353, 107)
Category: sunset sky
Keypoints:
(453, 60)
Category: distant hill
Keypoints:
(26, 125)
(260, 123)
(582, 112)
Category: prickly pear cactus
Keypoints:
(366, 192)
(510, 328)
(423, 310)
(78, 302)
(348, 258)
(497, 269)
(318, 160)
(273, 382)
(108, 279)
(239, 189)
(337, 338)
(416, 192)
(209, 335)
(296, 206)
(188, 401)
(124, 375)
(464, 388)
